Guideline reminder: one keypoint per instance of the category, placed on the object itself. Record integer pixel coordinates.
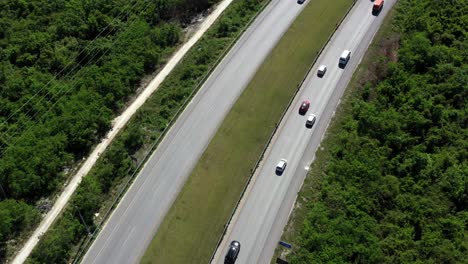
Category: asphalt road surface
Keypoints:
(134, 222)
(267, 203)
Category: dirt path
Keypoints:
(118, 123)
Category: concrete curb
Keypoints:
(276, 128)
(86, 243)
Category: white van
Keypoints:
(281, 166)
(344, 58)
(310, 120)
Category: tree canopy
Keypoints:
(66, 69)
(395, 188)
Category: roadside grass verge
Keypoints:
(366, 72)
(194, 224)
(99, 192)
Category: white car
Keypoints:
(344, 58)
(310, 120)
(321, 70)
(281, 166)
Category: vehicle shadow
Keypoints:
(376, 12)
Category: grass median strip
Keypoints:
(191, 229)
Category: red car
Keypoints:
(304, 107)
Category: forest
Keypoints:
(66, 69)
(395, 184)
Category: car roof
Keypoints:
(322, 67)
(232, 252)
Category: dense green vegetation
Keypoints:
(196, 221)
(394, 188)
(116, 167)
(66, 68)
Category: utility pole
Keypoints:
(82, 220)
(3, 191)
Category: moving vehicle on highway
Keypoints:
(310, 120)
(300, 1)
(321, 70)
(344, 58)
(281, 166)
(378, 4)
(304, 107)
(232, 253)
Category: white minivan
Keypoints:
(344, 58)
(281, 166)
(310, 120)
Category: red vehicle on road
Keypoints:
(378, 4)
(304, 107)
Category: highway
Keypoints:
(267, 203)
(134, 222)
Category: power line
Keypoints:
(83, 70)
(68, 64)
(57, 95)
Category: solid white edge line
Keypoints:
(118, 123)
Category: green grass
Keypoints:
(100, 191)
(311, 188)
(192, 227)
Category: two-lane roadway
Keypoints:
(267, 203)
(134, 222)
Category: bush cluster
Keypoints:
(66, 69)
(67, 235)
(395, 187)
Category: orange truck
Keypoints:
(378, 4)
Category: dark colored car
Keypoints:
(300, 1)
(232, 253)
(304, 107)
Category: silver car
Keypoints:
(310, 120)
(321, 70)
(281, 166)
